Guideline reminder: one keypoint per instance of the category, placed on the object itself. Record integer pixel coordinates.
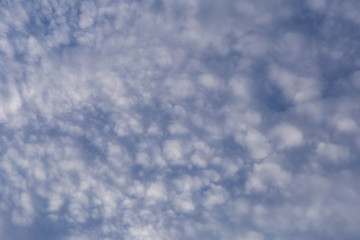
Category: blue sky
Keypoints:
(184, 120)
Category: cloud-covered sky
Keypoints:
(179, 119)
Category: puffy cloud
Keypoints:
(253, 236)
(216, 196)
(332, 153)
(317, 4)
(297, 89)
(208, 81)
(184, 203)
(174, 152)
(345, 124)
(257, 144)
(286, 135)
(87, 15)
(156, 192)
(267, 176)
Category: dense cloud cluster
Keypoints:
(184, 120)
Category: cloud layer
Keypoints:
(179, 120)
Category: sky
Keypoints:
(179, 119)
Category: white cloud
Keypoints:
(187, 183)
(181, 87)
(345, 124)
(239, 87)
(268, 175)
(154, 129)
(297, 89)
(173, 151)
(137, 189)
(251, 44)
(209, 81)
(257, 144)
(198, 161)
(25, 214)
(87, 15)
(12, 104)
(184, 203)
(127, 124)
(145, 233)
(177, 128)
(156, 192)
(55, 202)
(286, 136)
(252, 235)
(109, 203)
(348, 11)
(332, 153)
(216, 196)
(317, 4)
(355, 78)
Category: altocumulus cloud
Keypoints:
(192, 119)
